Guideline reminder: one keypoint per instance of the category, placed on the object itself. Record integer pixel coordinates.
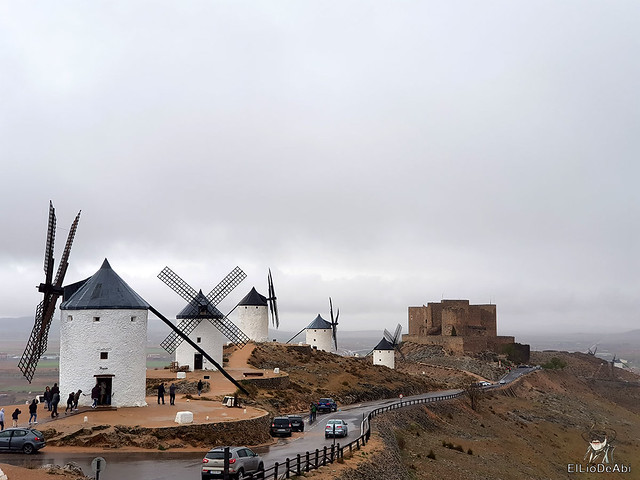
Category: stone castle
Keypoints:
(458, 327)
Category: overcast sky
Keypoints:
(382, 153)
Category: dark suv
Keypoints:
(327, 405)
(280, 426)
(297, 423)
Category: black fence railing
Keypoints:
(304, 462)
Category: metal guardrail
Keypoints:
(304, 462)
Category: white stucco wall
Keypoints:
(320, 338)
(384, 357)
(253, 320)
(82, 339)
(211, 341)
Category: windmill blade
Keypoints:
(64, 260)
(387, 335)
(272, 299)
(37, 343)
(397, 335)
(173, 340)
(231, 331)
(48, 250)
(289, 341)
(334, 334)
(177, 284)
(226, 285)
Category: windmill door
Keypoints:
(106, 384)
(197, 361)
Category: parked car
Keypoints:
(242, 462)
(327, 405)
(281, 426)
(297, 423)
(336, 428)
(27, 440)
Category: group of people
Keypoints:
(172, 393)
(15, 414)
(99, 395)
(52, 399)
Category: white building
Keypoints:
(253, 316)
(103, 336)
(206, 335)
(319, 334)
(384, 354)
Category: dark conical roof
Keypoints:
(319, 324)
(200, 308)
(105, 290)
(384, 344)
(253, 298)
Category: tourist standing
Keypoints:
(33, 412)
(1, 419)
(14, 416)
(69, 403)
(172, 394)
(55, 400)
(200, 385)
(76, 399)
(95, 394)
(47, 397)
(161, 393)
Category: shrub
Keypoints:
(469, 452)
(431, 455)
(554, 364)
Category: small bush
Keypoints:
(458, 448)
(555, 364)
(431, 455)
(469, 452)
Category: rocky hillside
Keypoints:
(314, 374)
(532, 430)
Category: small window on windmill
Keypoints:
(104, 355)
(133, 318)
(198, 339)
(69, 318)
(96, 319)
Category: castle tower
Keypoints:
(318, 334)
(103, 336)
(253, 316)
(384, 354)
(205, 334)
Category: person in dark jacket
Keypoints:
(69, 403)
(200, 385)
(161, 393)
(95, 394)
(76, 399)
(55, 400)
(172, 394)
(33, 412)
(1, 419)
(47, 397)
(14, 416)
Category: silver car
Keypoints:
(336, 428)
(27, 440)
(242, 461)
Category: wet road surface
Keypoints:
(186, 466)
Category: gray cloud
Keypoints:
(384, 154)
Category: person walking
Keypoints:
(103, 393)
(33, 412)
(95, 394)
(55, 400)
(69, 403)
(314, 411)
(76, 399)
(200, 385)
(1, 419)
(172, 394)
(161, 391)
(14, 416)
(47, 397)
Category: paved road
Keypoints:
(172, 465)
